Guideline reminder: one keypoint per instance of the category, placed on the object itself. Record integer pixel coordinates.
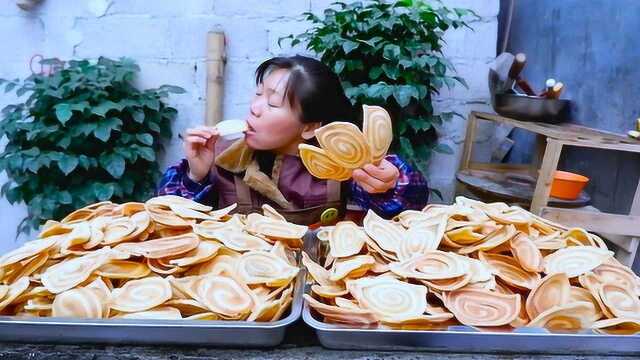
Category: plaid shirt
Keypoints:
(410, 192)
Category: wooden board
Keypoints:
(509, 187)
(569, 132)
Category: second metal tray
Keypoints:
(465, 338)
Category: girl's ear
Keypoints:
(308, 130)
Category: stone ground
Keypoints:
(299, 344)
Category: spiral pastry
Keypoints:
(617, 326)
(163, 247)
(224, 295)
(261, 267)
(475, 307)
(390, 299)
(508, 269)
(275, 229)
(575, 260)
(386, 235)
(346, 239)
(142, 294)
(354, 266)
(552, 290)
(621, 301)
(66, 275)
(78, 303)
(526, 252)
(568, 317)
(432, 265)
(377, 130)
(321, 165)
(123, 269)
(345, 144)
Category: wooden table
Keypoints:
(622, 230)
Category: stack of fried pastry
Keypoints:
(343, 147)
(488, 266)
(168, 258)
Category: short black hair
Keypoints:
(313, 87)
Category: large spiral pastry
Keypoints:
(66, 275)
(261, 267)
(420, 239)
(387, 235)
(607, 273)
(165, 217)
(141, 295)
(13, 291)
(224, 295)
(390, 299)
(78, 303)
(475, 307)
(508, 269)
(205, 251)
(354, 266)
(345, 144)
(432, 265)
(575, 260)
(116, 231)
(275, 229)
(163, 247)
(378, 130)
(28, 250)
(526, 253)
(617, 326)
(346, 239)
(123, 269)
(320, 164)
(168, 200)
(493, 240)
(621, 301)
(341, 315)
(239, 240)
(568, 317)
(552, 290)
(579, 294)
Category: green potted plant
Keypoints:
(83, 134)
(391, 54)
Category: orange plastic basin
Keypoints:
(568, 185)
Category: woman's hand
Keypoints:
(198, 148)
(377, 179)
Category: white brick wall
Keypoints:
(167, 39)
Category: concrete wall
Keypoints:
(167, 39)
(590, 46)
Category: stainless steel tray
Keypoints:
(153, 332)
(465, 338)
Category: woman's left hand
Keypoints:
(376, 179)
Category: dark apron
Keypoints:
(325, 214)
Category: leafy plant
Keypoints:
(84, 134)
(390, 54)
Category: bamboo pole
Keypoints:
(216, 59)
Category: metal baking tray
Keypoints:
(153, 332)
(465, 338)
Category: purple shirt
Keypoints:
(410, 192)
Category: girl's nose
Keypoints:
(256, 107)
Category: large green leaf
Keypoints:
(113, 163)
(63, 112)
(67, 164)
(104, 128)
